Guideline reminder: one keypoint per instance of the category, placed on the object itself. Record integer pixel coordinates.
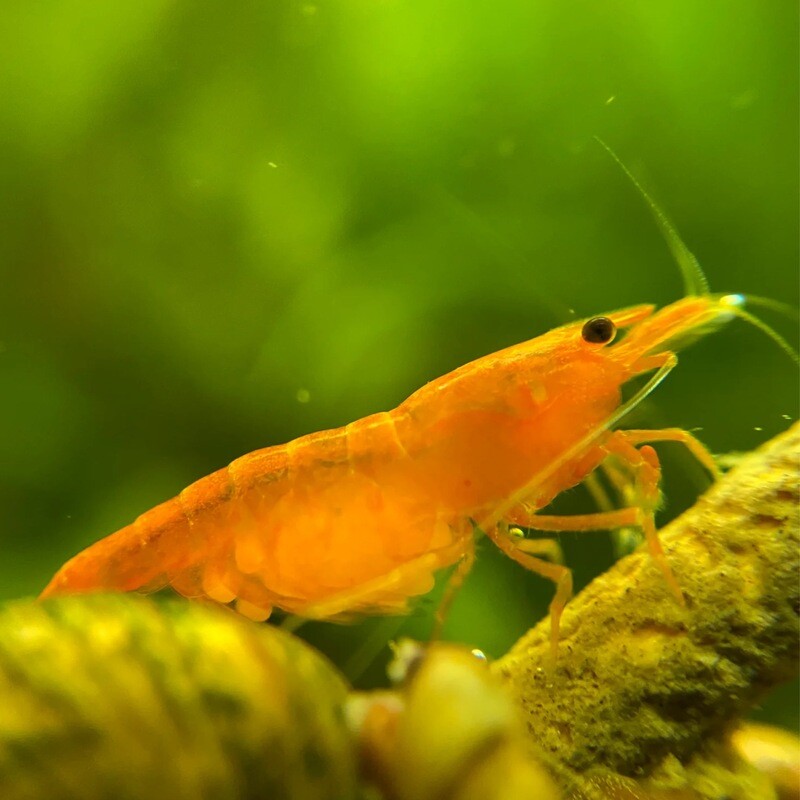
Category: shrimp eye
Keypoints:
(599, 330)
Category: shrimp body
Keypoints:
(359, 518)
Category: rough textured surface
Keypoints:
(120, 697)
(641, 682)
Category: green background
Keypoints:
(227, 224)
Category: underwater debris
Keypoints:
(449, 731)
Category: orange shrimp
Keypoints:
(358, 519)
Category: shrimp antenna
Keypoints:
(790, 312)
(734, 305)
(694, 279)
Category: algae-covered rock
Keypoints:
(121, 697)
(647, 690)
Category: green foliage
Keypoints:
(214, 212)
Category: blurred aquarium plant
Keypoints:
(226, 225)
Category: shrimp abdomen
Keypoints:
(328, 516)
(168, 544)
(125, 560)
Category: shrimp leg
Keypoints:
(626, 539)
(558, 573)
(454, 583)
(644, 464)
(692, 444)
(647, 471)
(548, 547)
(519, 550)
(538, 547)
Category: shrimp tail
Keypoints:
(138, 557)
